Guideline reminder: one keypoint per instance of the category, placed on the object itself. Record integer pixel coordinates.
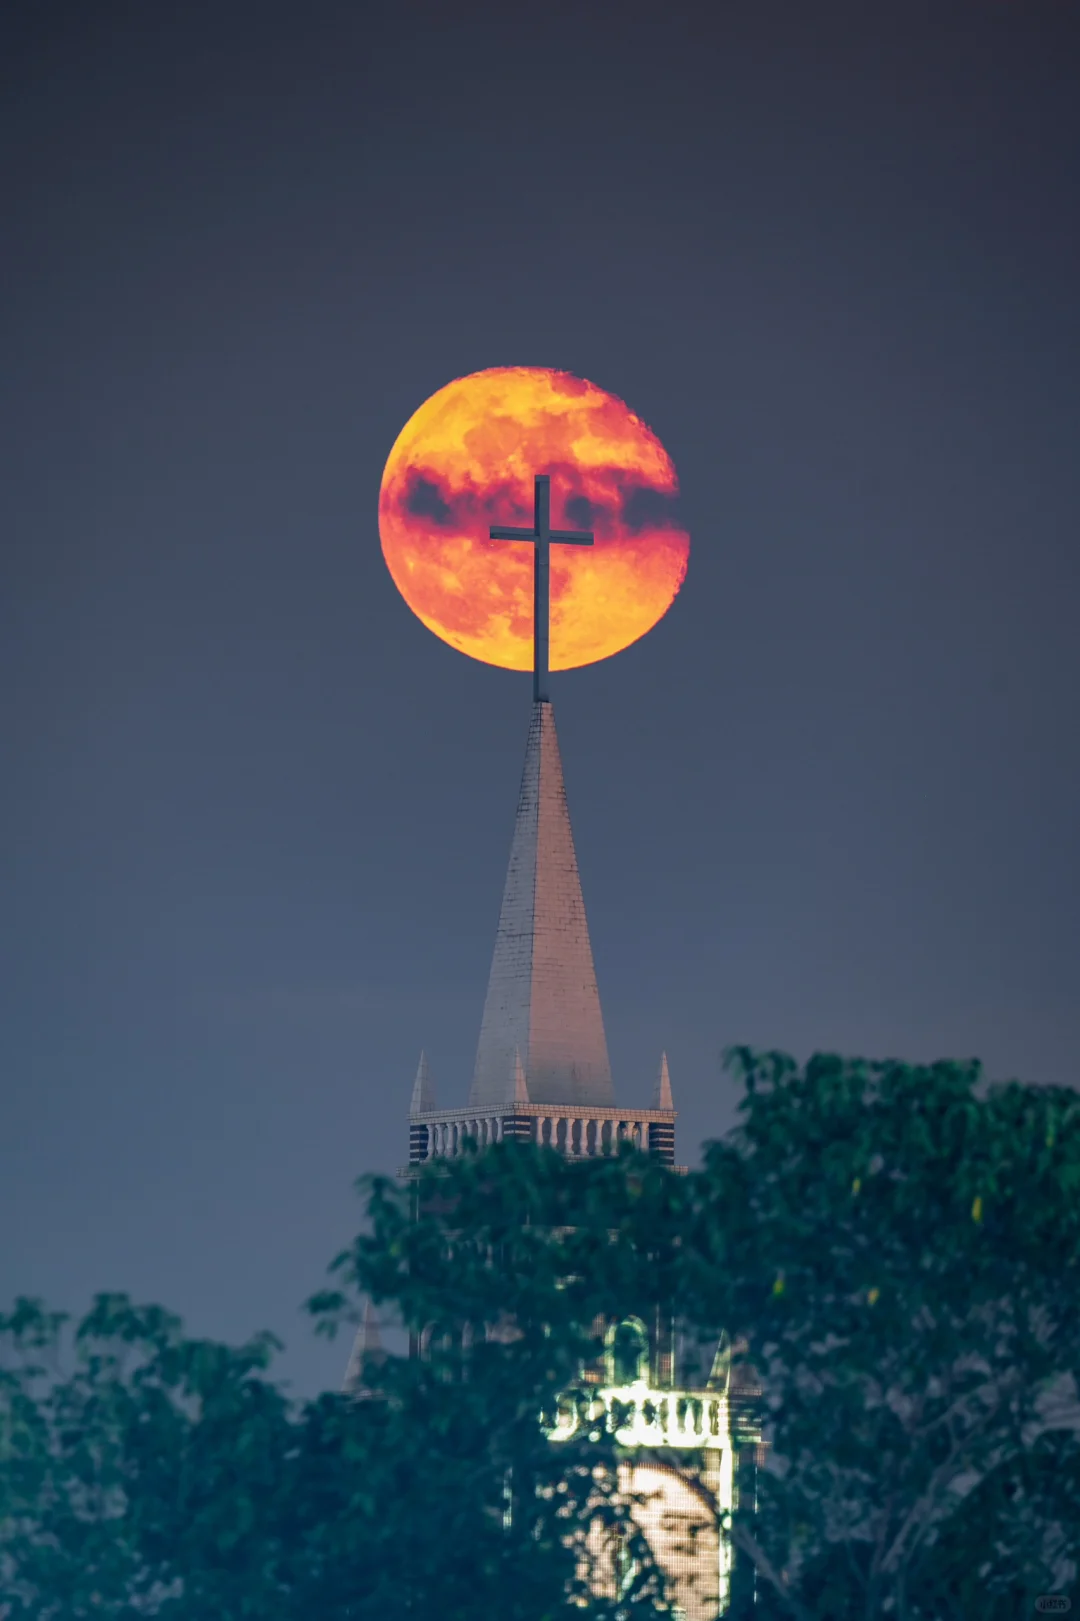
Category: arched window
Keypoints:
(628, 1352)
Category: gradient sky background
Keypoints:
(256, 818)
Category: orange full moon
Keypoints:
(466, 460)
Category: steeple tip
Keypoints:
(662, 1098)
(521, 1085)
(423, 1092)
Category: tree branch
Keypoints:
(924, 1505)
(749, 1544)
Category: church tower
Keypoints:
(542, 1075)
(542, 1071)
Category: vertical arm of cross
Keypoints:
(541, 586)
(541, 535)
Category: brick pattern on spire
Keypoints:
(542, 998)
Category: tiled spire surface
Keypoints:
(542, 1000)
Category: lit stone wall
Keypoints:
(682, 1506)
(680, 1517)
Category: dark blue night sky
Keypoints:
(256, 818)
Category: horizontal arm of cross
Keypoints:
(569, 537)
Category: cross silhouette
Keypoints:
(541, 535)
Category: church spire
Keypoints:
(662, 1096)
(423, 1092)
(542, 999)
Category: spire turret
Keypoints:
(423, 1092)
(521, 1086)
(367, 1354)
(662, 1095)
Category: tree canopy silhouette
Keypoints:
(893, 1250)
